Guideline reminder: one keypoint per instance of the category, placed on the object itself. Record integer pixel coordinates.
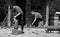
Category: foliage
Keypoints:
(4, 8)
(54, 6)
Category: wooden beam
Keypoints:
(47, 15)
(9, 16)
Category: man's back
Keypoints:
(38, 15)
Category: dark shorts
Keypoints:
(19, 18)
(37, 21)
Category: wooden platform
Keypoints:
(53, 28)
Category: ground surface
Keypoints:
(29, 32)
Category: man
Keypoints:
(18, 17)
(38, 17)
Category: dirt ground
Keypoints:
(29, 32)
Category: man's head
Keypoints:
(32, 12)
(16, 7)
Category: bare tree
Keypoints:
(4, 8)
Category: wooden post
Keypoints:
(9, 16)
(47, 16)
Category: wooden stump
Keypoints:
(16, 32)
(53, 28)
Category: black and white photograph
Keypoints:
(29, 18)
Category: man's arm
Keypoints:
(17, 15)
(34, 20)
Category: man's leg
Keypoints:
(23, 23)
(37, 21)
(22, 26)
